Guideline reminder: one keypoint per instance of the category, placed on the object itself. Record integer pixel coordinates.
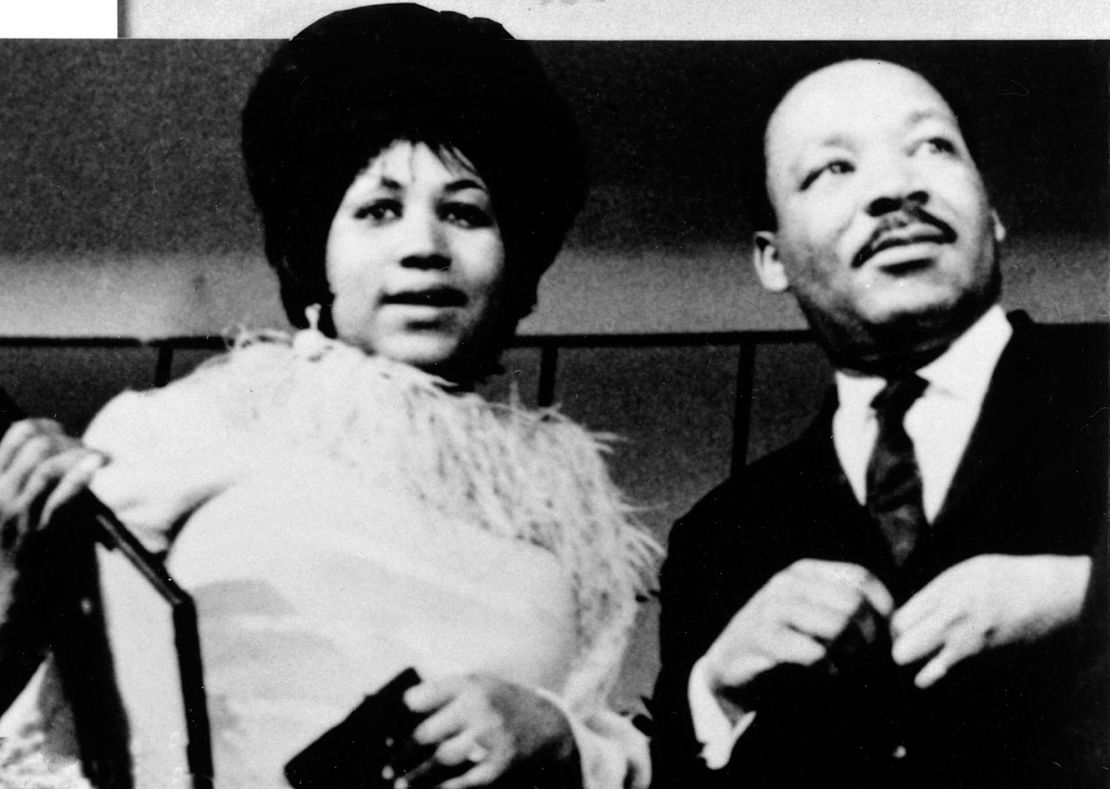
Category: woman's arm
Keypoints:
(41, 469)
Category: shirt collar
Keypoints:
(963, 371)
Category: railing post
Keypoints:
(549, 364)
(163, 367)
(742, 411)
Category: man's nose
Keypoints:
(896, 186)
(421, 242)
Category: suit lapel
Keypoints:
(1020, 390)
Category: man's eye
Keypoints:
(835, 167)
(379, 211)
(467, 215)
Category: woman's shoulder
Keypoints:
(195, 400)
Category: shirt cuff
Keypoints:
(713, 728)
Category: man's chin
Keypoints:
(898, 339)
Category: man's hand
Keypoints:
(985, 602)
(484, 728)
(794, 619)
(41, 468)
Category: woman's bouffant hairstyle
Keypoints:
(355, 81)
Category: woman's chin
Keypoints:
(429, 351)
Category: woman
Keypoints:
(340, 503)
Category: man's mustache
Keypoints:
(905, 227)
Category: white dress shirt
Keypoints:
(939, 422)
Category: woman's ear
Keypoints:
(768, 265)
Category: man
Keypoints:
(905, 595)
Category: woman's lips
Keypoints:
(438, 298)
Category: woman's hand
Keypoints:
(41, 468)
(484, 729)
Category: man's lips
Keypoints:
(441, 298)
(935, 232)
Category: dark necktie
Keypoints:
(893, 478)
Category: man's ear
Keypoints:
(998, 227)
(768, 265)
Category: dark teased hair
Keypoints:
(355, 81)
(789, 66)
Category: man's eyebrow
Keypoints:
(833, 140)
(920, 116)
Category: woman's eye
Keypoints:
(937, 145)
(379, 210)
(834, 167)
(467, 215)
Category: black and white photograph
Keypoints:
(563, 393)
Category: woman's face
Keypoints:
(415, 259)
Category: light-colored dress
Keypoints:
(339, 517)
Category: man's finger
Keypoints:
(938, 667)
(878, 596)
(852, 579)
(926, 637)
(917, 608)
(816, 621)
(787, 645)
(962, 642)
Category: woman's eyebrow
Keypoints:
(463, 184)
(385, 182)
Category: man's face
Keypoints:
(883, 218)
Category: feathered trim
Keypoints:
(25, 764)
(518, 473)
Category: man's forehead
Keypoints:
(832, 103)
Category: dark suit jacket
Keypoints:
(1033, 480)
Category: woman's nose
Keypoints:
(421, 242)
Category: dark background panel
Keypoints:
(71, 384)
(132, 145)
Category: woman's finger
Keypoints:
(451, 758)
(433, 694)
(43, 471)
(25, 460)
(444, 723)
(19, 433)
(75, 480)
(482, 774)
